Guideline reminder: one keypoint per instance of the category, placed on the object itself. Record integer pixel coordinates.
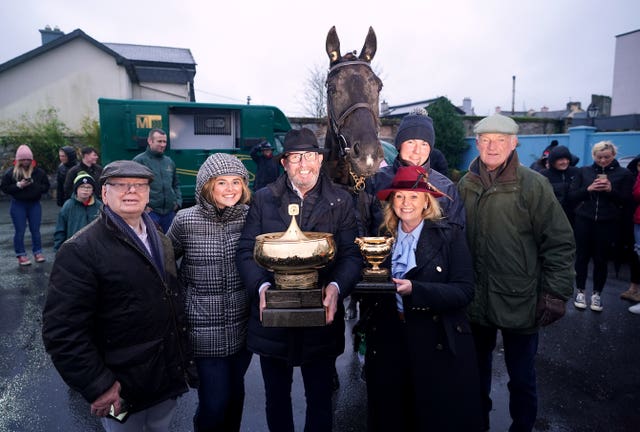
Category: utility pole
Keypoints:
(513, 96)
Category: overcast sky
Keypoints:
(559, 50)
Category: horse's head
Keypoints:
(352, 106)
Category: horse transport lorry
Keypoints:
(194, 131)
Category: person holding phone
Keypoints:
(25, 183)
(598, 193)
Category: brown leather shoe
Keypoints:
(631, 294)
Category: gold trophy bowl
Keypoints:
(294, 257)
(375, 250)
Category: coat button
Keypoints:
(439, 269)
(436, 318)
(439, 347)
(459, 329)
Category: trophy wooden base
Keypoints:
(367, 287)
(287, 298)
(299, 317)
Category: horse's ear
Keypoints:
(333, 45)
(370, 46)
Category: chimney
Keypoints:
(49, 35)
(384, 108)
(466, 106)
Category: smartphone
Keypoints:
(602, 176)
(28, 180)
(124, 412)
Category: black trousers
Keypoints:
(317, 377)
(593, 241)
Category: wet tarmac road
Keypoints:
(588, 365)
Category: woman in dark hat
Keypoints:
(542, 163)
(420, 362)
(560, 174)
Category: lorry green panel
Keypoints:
(194, 131)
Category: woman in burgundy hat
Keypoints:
(420, 362)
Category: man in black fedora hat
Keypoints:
(323, 207)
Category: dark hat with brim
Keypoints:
(301, 140)
(410, 178)
(125, 168)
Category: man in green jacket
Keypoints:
(165, 197)
(523, 250)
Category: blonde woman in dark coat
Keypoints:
(420, 365)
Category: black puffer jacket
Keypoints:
(561, 180)
(601, 206)
(110, 314)
(333, 213)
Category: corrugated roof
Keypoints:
(152, 53)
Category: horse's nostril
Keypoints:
(356, 149)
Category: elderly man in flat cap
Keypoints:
(113, 321)
(523, 250)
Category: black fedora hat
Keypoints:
(301, 140)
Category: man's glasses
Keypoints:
(297, 157)
(126, 187)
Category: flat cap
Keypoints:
(125, 168)
(496, 123)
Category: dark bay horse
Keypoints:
(353, 90)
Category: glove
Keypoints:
(549, 309)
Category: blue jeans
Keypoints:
(519, 355)
(221, 392)
(317, 377)
(22, 212)
(163, 220)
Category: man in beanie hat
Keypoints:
(415, 140)
(78, 211)
(523, 251)
(326, 208)
(113, 321)
(25, 183)
(165, 197)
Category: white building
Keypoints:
(626, 75)
(71, 71)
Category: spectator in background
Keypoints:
(541, 163)
(560, 174)
(631, 237)
(165, 197)
(78, 211)
(523, 250)
(599, 193)
(68, 159)
(25, 183)
(267, 167)
(206, 237)
(89, 164)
